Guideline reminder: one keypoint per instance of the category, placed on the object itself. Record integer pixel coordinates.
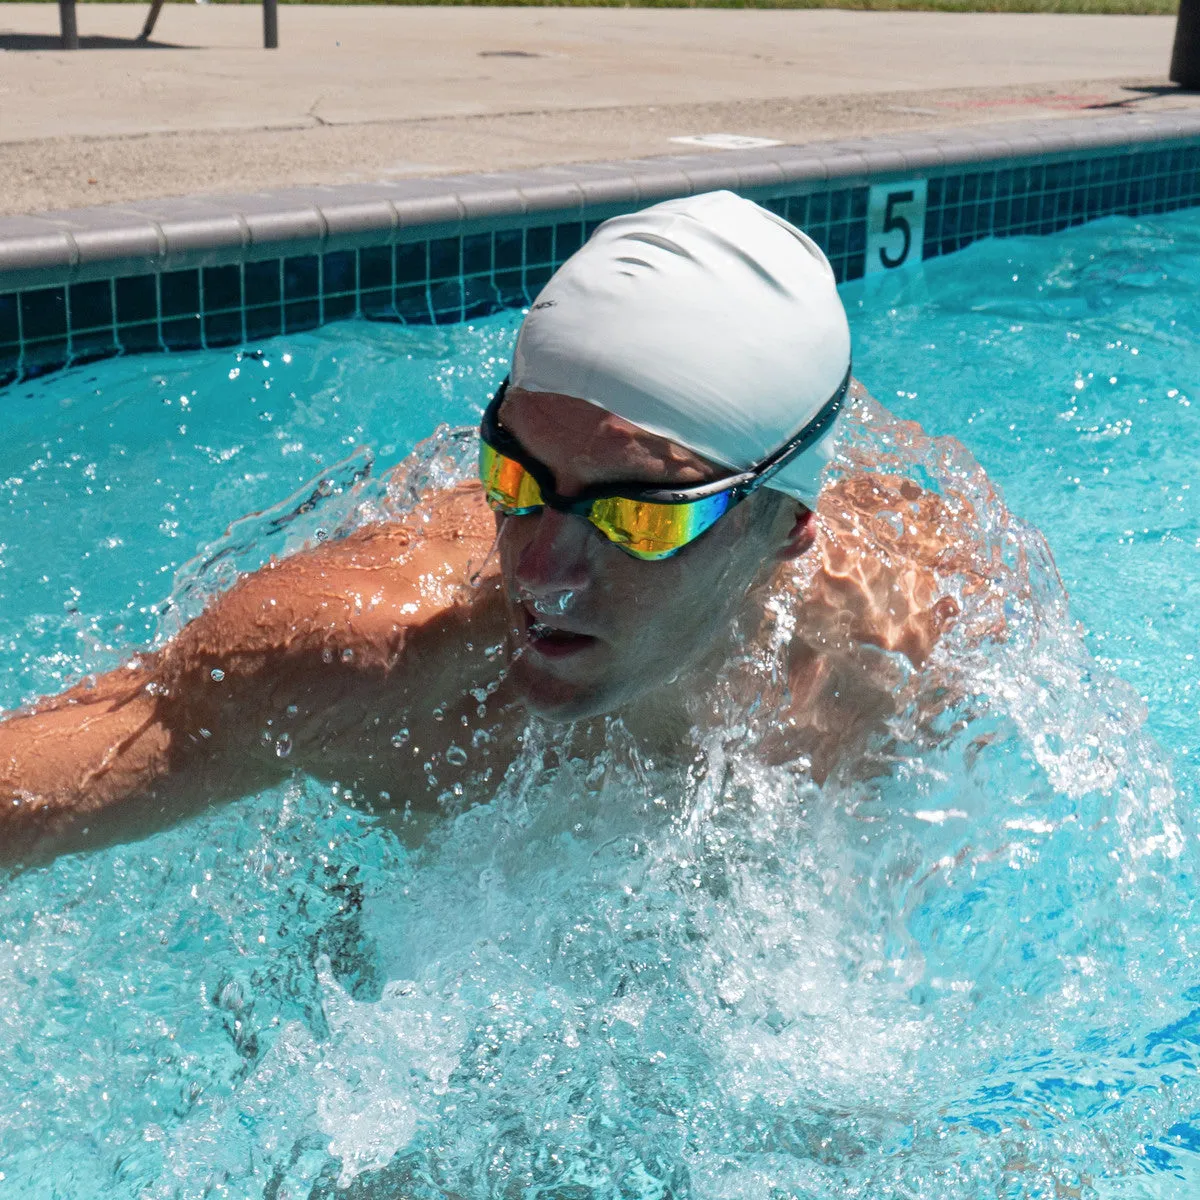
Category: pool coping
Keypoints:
(197, 231)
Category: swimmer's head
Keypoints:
(708, 321)
(681, 345)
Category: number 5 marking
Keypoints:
(895, 225)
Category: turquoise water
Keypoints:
(973, 975)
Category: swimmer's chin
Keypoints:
(553, 698)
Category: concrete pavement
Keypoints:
(365, 93)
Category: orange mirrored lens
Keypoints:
(508, 486)
(653, 531)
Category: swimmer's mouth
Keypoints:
(553, 641)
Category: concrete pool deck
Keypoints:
(359, 95)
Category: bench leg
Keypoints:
(271, 24)
(66, 23)
(151, 19)
(1185, 59)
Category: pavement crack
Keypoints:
(313, 115)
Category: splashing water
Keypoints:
(961, 967)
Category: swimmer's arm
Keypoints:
(105, 762)
(308, 647)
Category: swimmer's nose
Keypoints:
(554, 559)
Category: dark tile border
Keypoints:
(195, 272)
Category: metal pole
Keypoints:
(1185, 58)
(151, 18)
(66, 23)
(271, 24)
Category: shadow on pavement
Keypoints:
(51, 41)
(1145, 92)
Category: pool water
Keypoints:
(971, 975)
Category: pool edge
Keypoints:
(201, 270)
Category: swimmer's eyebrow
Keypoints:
(713, 472)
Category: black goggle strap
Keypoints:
(741, 484)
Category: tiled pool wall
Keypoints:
(444, 270)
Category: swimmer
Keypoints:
(650, 480)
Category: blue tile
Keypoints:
(44, 314)
(446, 299)
(377, 302)
(40, 357)
(263, 285)
(445, 258)
(479, 297)
(539, 245)
(222, 288)
(180, 293)
(510, 287)
(536, 277)
(858, 204)
(264, 322)
(568, 237)
(510, 249)
(137, 337)
(302, 279)
(412, 263)
(337, 307)
(477, 254)
(90, 305)
(93, 343)
(222, 328)
(838, 237)
(183, 333)
(137, 299)
(301, 314)
(412, 304)
(9, 328)
(340, 273)
(375, 268)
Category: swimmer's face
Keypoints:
(597, 628)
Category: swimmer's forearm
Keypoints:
(72, 758)
(102, 763)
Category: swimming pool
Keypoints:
(970, 976)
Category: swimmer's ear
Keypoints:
(801, 535)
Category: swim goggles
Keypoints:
(647, 522)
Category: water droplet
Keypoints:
(327, 655)
(456, 756)
(439, 713)
(217, 674)
(400, 737)
(347, 655)
(283, 745)
(292, 710)
(493, 652)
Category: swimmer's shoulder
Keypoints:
(877, 576)
(368, 590)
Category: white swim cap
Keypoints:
(708, 321)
